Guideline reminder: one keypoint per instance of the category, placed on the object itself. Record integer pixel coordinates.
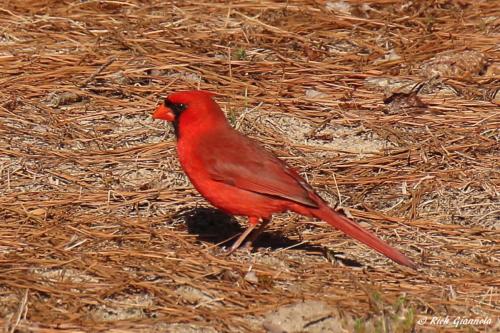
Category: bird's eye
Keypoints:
(177, 108)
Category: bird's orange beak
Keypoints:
(164, 113)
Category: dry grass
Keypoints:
(102, 231)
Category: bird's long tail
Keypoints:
(352, 229)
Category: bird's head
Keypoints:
(186, 108)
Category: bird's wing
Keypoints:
(241, 162)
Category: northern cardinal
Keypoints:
(238, 176)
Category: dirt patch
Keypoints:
(310, 317)
(129, 307)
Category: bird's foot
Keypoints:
(241, 239)
(248, 243)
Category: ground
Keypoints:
(388, 108)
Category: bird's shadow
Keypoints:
(214, 226)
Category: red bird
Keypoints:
(240, 177)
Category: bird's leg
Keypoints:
(257, 233)
(252, 221)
